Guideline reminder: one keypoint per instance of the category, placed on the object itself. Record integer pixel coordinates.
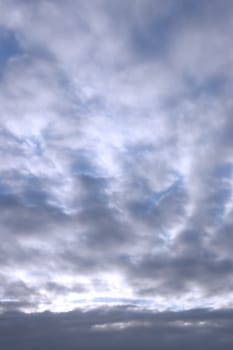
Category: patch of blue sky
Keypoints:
(5, 190)
(33, 197)
(155, 37)
(9, 47)
(109, 300)
(35, 145)
(223, 175)
(224, 171)
(156, 197)
(218, 211)
(30, 193)
(84, 165)
(213, 85)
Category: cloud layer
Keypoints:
(116, 154)
(105, 328)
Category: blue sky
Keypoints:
(116, 178)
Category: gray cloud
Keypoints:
(113, 327)
(116, 163)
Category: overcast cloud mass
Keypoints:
(116, 174)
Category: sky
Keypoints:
(116, 174)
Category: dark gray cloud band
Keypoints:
(111, 328)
